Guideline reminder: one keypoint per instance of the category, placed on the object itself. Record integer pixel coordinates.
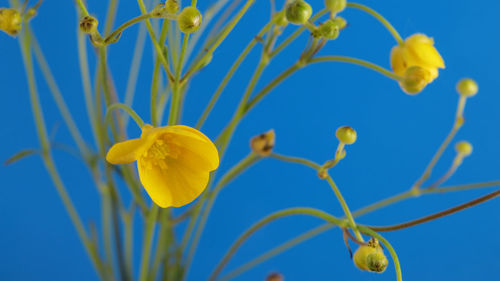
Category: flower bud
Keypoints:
(335, 6)
(275, 277)
(281, 19)
(464, 148)
(467, 87)
(346, 135)
(415, 80)
(330, 29)
(370, 257)
(189, 20)
(172, 6)
(263, 144)
(88, 24)
(10, 21)
(323, 173)
(298, 12)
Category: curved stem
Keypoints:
(389, 247)
(254, 228)
(380, 18)
(360, 62)
(121, 28)
(298, 160)
(138, 120)
(230, 74)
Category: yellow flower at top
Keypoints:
(174, 162)
(417, 50)
(10, 21)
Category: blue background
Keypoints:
(397, 136)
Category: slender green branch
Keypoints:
(58, 97)
(138, 120)
(380, 18)
(175, 104)
(263, 222)
(156, 73)
(117, 32)
(360, 62)
(82, 7)
(298, 160)
(239, 168)
(223, 36)
(397, 265)
(147, 242)
(230, 74)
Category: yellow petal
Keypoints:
(398, 63)
(126, 151)
(176, 185)
(421, 49)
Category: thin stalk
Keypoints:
(82, 7)
(175, 104)
(107, 118)
(236, 170)
(156, 73)
(117, 32)
(147, 242)
(380, 18)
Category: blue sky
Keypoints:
(397, 136)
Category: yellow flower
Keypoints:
(417, 50)
(10, 21)
(174, 162)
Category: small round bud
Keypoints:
(330, 29)
(189, 20)
(88, 24)
(415, 80)
(377, 262)
(206, 60)
(322, 174)
(172, 6)
(275, 277)
(10, 21)
(298, 12)
(346, 135)
(464, 148)
(281, 19)
(335, 6)
(263, 144)
(467, 87)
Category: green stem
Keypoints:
(47, 158)
(106, 228)
(270, 218)
(110, 38)
(239, 168)
(156, 73)
(147, 242)
(360, 62)
(345, 207)
(380, 18)
(175, 104)
(397, 265)
(82, 7)
(230, 74)
(223, 36)
(107, 118)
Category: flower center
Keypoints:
(159, 153)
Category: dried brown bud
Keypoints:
(263, 144)
(275, 276)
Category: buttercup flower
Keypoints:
(10, 21)
(174, 162)
(417, 50)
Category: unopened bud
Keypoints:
(263, 144)
(281, 19)
(415, 80)
(467, 87)
(298, 12)
(370, 257)
(88, 24)
(330, 29)
(10, 21)
(335, 6)
(172, 6)
(346, 135)
(464, 148)
(189, 20)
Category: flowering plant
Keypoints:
(177, 162)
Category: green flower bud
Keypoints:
(376, 262)
(298, 12)
(88, 24)
(415, 80)
(464, 148)
(467, 87)
(189, 20)
(346, 135)
(172, 6)
(335, 6)
(281, 19)
(329, 29)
